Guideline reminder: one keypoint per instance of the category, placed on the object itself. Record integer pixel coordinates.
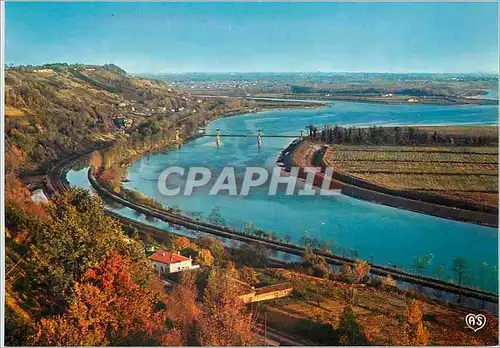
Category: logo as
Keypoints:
(475, 321)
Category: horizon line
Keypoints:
(497, 73)
(314, 72)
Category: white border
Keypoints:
(2, 114)
(2, 175)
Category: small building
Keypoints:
(266, 293)
(166, 262)
(38, 196)
(44, 70)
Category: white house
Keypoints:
(166, 262)
(38, 196)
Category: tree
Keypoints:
(316, 263)
(305, 239)
(109, 308)
(483, 274)
(181, 243)
(389, 282)
(204, 258)
(361, 270)
(254, 254)
(249, 228)
(183, 309)
(78, 236)
(224, 320)
(350, 332)
(96, 160)
(248, 275)
(350, 296)
(215, 246)
(439, 271)
(215, 217)
(421, 263)
(414, 332)
(459, 269)
(347, 273)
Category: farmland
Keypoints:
(465, 173)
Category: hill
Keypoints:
(58, 110)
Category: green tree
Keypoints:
(215, 217)
(421, 263)
(439, 271)
(460, 270)
(350, 332)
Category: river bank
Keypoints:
(302, 155)
(389, 99)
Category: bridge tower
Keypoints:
(259, 139)
(217, 137)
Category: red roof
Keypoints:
(167, 257)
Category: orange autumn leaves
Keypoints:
(109, 308)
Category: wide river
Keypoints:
(375, 232)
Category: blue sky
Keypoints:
(251, 37)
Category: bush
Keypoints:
(361, 270)
(389, 282)
(377, 282)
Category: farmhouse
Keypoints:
(38, 196)
(166, 262)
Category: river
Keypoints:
(381, 234)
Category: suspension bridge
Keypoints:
(258, 136)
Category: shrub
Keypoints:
(361, 270)
(388, 281)
(347, 273)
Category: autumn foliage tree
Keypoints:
(78, 236)
(183, 308)
(224, 321)
(109, 307)
(414, 332)
(361, 270)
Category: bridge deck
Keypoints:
(251, 135)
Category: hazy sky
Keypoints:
(267, 37)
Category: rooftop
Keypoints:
(167, 257)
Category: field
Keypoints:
(464, 173)
(316, 304)
(462, 130)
